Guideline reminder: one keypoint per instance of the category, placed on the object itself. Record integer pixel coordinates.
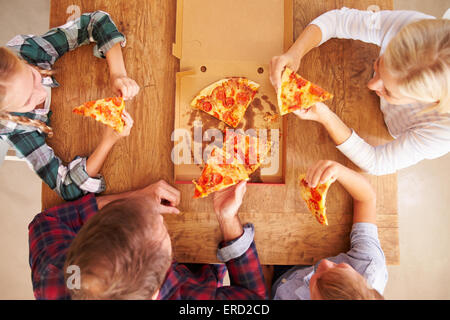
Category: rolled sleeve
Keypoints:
(365, 244)
(79, 176)
(237, 247)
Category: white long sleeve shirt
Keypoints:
(417, 136)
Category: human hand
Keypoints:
(316, 112)
(323, 171)
(163, 197)
(277, 65)
(124, 86)
(112, 135)
(228, 201)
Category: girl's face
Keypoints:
(385, 85)
(24, 90)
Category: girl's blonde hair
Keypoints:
(335, 284)
(419, 59)
(9, 64)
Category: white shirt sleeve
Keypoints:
(428, 142)
(368, 26)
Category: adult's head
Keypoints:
(21, 89)
(333, 281)
(415, 66)
(123, 252)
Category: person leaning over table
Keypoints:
(360, 273)
(26, 77)
(412, 79)
(123, 250)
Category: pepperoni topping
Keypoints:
(292, 76)
(301, 82)
(227, 180)
(220, 94)
(317, 91)
(117, 101)
(197, 193)
(203, 180)
(89, 104)
(242, 98)
(206, 106)
(93, 116)
(295, 107)
(316, 195)
(298, 97)
(314, 205)
(304, 183)
(216, 115)
(217, 178)
(229, 102)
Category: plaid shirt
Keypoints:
(52, 231)
(69, 181)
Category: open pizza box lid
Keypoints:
(217, 39)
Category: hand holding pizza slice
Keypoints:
(298, 93)
(107, 111)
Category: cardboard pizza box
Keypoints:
(217, 39)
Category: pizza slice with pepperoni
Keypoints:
(221, 171)
(298, 93)
(107, 111)
(315, 198)
(227, 99)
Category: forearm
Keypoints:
(231, 228)
(98, 157)
(336, 128)
(363, 194)
(308, 39)
(115, 61)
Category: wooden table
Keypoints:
(286, 233)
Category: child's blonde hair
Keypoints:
(419, 59)
(9, 64)
(335, 284)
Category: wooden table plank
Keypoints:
(286, 233)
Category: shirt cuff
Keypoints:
(101, 52)
(364, 229)
(237, 247)
(79, 176)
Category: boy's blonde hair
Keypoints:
(9, 64)
(335, 284)
(419, 59)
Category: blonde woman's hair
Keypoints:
(9, 64)
(336, 284)
(419, 59)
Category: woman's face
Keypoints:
(385, 85)
(24, 90)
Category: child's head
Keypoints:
(416, 66)
(123, 252)
(21, 89)
(333, 281)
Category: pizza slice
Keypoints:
(227, 99)
(221, 171)
(250, 150)
(315, 198)
(107, 111)
(298, 93)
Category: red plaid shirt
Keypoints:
(51, 232)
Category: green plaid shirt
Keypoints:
(70, 181)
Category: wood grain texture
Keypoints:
(286, 233)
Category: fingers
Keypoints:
(276, 66)
(321, 172)
(127, 87)
(169, 193)
(167, 209)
